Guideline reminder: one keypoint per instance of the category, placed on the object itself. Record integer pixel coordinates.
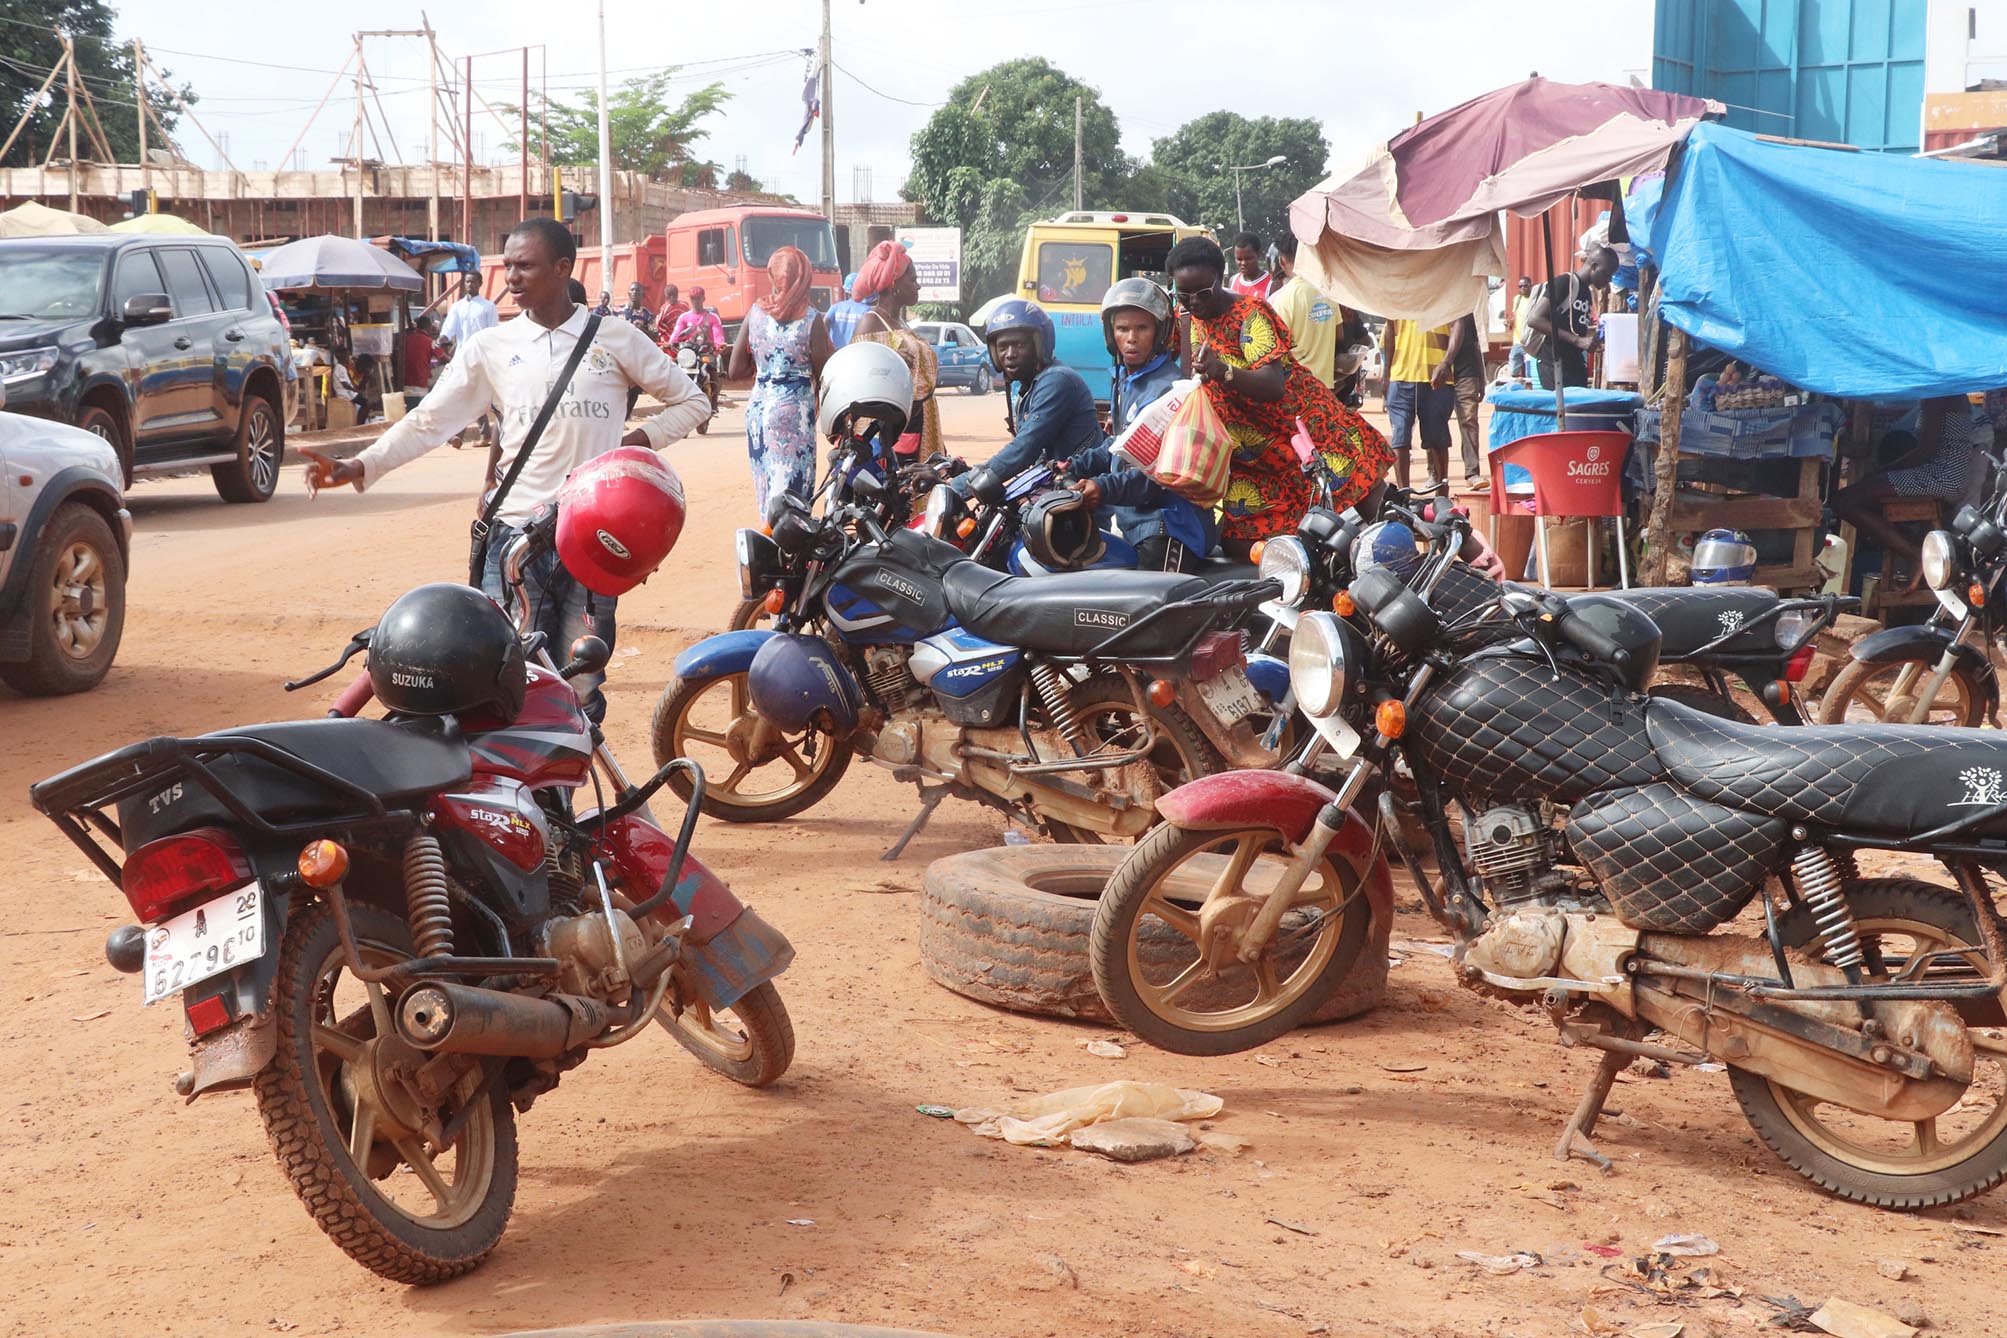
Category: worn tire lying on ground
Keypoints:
(1009, 926)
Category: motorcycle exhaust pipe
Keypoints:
(450, 1018)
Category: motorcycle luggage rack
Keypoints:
(91, 787)
(1833, 606)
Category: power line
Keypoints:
(887, 96)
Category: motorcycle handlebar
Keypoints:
(1571, 628)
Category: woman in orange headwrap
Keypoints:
(888, 276)
(782, 344)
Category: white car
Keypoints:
(65, 536)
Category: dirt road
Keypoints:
(652, 1190)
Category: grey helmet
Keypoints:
(1141, 293)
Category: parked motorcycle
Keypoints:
(1070, 702)
(399, 932)
(1939, 672)
(1609, 840)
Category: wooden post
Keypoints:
(70, 59)
(467, 157)
(523, 143)
(1672, 409)
(139, 110)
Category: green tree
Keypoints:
(650, 133)
(745, 183)
(29, 50)
(1193, 162)
(1001, 152)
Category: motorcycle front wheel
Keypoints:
(1861, 1157)
(711, 721)
(1865, 693)
(1188, 992)
(342, 1126)
(752, 1042)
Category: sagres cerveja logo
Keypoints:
(1983, 785)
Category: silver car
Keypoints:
(65, 536)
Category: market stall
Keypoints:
(346, 300)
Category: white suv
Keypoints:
(65, 536)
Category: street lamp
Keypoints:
(1240, 224)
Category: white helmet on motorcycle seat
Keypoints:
(865, 386)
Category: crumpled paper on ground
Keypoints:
(1045, 1121)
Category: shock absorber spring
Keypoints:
(1052, 691)
(1820, 882)
(427, 905)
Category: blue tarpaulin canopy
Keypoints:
(1860, 275)
(435, 257)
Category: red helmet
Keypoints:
(618, 517)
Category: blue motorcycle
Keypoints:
(1068, 701)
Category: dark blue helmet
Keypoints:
(1017, 314)
(797, 681)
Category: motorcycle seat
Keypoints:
(1690, 617)
(389, 761)
(1071, 613)
(1887, 780)
(1217, 569)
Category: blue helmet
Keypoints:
(1724, 557)
(850, 282)
(1017, 314)
(797, 681)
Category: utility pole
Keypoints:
(828, 122)
(432, 155)
(70, 59)
(139, 110)
(523, 142)
(357, 144)
(606, 166)
(1077, 191)
(467, 145)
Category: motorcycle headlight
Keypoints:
(1940, 559)
(1793, 625)
(759, 562)
(941, 504)
(1286, 560)
(1317, 664)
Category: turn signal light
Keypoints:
(966, 528)
(1391, 719)
(323, 863)
(1783, 687)
(1975, 595)
(767, 529)
(1162, 693)
(1343, 604)
(775, 601)
(1254, 553)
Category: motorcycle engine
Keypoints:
(887, 677)
(1514, 848)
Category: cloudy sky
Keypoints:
(1363, 69)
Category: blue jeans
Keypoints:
(1515, 365)
(1413, 402)
(560, 608)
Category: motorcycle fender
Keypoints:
(228, 1059)
(1290, 805)
(1926, 642)
(640, 852)
(745, 955)
(721, 655)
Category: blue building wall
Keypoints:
(1844, 71)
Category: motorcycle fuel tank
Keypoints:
(890, 593)
(549, 743)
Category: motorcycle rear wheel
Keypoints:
(684, 716)
(1862, 1158)
(1864, 693)
(751, 1043)
(322, 1083)
(1166, 879)
(1107, 711)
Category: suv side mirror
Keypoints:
(147, 309)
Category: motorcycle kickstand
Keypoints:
(1575, 1135)
(929, 801)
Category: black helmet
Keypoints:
(446, 649)
(1059, 532)
(1629, 627)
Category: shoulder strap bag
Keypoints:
(477, 558)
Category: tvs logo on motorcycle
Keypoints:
(613, 546)
(1984, 786)
(1099, 618)
(168, 796)
(903, 588)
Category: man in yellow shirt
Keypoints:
(1412, 356)
(1313, 320)
(1516, 366)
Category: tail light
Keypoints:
(165, 875)
(1799, 664)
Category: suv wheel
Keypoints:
(982, 384)
(75, 604)
(103, 423)
(261, 443)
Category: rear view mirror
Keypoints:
(147, 309)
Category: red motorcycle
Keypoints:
(399, 932)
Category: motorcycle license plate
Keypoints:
(1230, 696)
(205, 941)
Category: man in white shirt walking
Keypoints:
(513, 365)
(467, 317)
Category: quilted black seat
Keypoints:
(1690, 617)
(1073, 612)
(1882, 779)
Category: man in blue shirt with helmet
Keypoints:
(1047, 405)
(843, 316)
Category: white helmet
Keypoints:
(865, 381)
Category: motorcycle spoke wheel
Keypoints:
(1907, 1148)
(752, 1042)
(1863, 694)
(749, 773)
(1168, 928)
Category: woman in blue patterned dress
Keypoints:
(782, 344)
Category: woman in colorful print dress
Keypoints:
(782, 344)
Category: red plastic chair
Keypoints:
(1574, 474)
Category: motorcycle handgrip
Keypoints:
(1572, 628)
(353, 698)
